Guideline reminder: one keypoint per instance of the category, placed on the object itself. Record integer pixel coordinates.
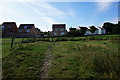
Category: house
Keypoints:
(59, 29)
(8, 28)
(101, 30)
(87, 30)
(98, 31)
(38, 32)
(27, 30)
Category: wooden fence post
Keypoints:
(12, 41)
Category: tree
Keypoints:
(119, 22)
(93, 29)
(47, 33)
(108, 26)
(82, 30)
(74, 33)
(116, 28)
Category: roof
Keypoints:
(84, 28)
(9, 24)
(101, 27)
(28, 26)
(72, 28)
(59, 25)
(37, 29)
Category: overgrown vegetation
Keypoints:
(25, 60)
(86, 59)
(72, 57)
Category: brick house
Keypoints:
(8, 28)
(59, 29)
(38, 32)
(27, 30)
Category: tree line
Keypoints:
(112, 28)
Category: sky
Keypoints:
(44, 14)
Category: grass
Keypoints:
(74, 57)
(24, 59)
(85, 59)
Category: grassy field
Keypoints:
(24, 59)
(85, 59)
(90, 57)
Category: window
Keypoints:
(3, 28)
(62, 33)
(55, 29)
(28, 30)
(25, 27)
(55, 33)
(20, 30)
(62, 29)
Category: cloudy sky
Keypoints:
(44, 14)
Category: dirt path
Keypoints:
(47, 62)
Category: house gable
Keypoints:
(27, 29)
(10, 27)
(58, 29)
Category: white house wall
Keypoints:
(99, 31)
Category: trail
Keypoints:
(47, 62)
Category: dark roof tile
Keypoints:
(59, 25)
(28, 26)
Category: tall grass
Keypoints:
(73, 57)
(24, 61)
(85, 60)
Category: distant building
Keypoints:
(38, 32)
(8, 28)
(72, 29)
(28, 30)
(98, 31)
(87, 31)
(101, 30)
(59, 29)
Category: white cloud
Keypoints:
(45, 11)
(103, 6)
(44, 7)
(30, 12)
